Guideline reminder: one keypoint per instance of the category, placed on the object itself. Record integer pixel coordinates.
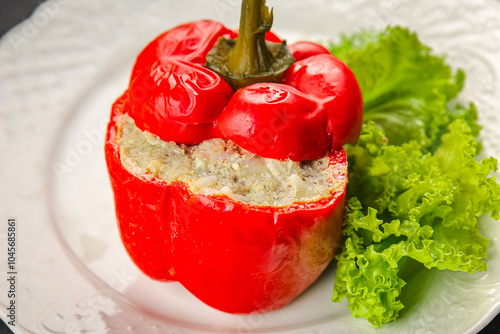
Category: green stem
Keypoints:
(250, 54)
(250, 58)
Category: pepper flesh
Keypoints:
(233, 256)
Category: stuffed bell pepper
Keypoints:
(226, 161)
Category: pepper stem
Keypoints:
(250, 58)
(250, 54)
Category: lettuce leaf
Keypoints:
(415, 189)
(411, 204)
(405, 88)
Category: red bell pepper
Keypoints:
(234, 256)
(317, 106)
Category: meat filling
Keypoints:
(218, 166)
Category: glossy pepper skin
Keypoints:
(169, 77)
(233, 256)
(315, 109)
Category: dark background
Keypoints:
(14, 11)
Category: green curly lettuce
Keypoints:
(415, 189)
(405, 88)
(411, 204)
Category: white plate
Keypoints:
(59, 74)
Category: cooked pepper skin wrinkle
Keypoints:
(236, 257)
(173, 95)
